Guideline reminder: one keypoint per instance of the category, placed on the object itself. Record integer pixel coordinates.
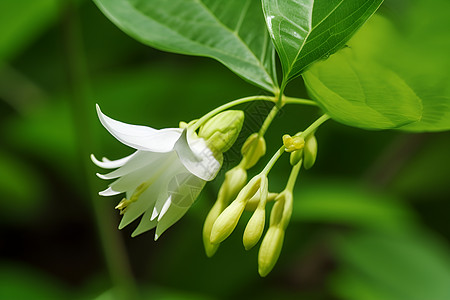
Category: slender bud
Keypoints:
(228, 219)
(276, 214)
(287, 197)
(235, 180)
(293, 143)
(270, 250)
(255, 226)
(222, 130)
(310, 151)
(226, 222)
(295, 157)
(213, 214)
(254, 229)
(253, 149)
(272, 243)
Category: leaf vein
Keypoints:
(238, 37)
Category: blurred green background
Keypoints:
(370, 220)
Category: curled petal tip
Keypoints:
(97, 108)
(101, 176)
(95, 160)
(154, 214)
(109, 192)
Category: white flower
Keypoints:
(162, 178)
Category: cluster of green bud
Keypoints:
(222, 130)
(272, 243)
(235, 179)
(293, 143)
(236, 195)
(307, 149)
(228, 219)
(254, 196)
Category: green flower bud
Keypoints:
(310, 151)
(270, 250)
(253, 149)
(235, 180)
(295, 157)
(293, 143)
(226, 222)
(285, 199)
(213, 214)
(222, 130)
(273, 240)
(228, 219)
(254, 229)
(255, 226)
(276, 214)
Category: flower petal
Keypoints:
(175, 170)
(139, 160)
(110, 164)
(197, 157)
(184, 188)
(109, 192)
(172, 215)
(165, 208)
(144, 203)
(141, 137)
(157, 169)
(173, 185)
(145, 225)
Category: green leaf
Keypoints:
(231, 32)
(362, 94)
(305, 31)
(385, 80)
(379, 266)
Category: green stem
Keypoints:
(283, 85)
(280, 101)
(272, 114)
(313, 126)
(303, 134)
(78, 83)
(292, 100)
(273, 160)
(221, 108)
(262, 131)
(293, 176)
